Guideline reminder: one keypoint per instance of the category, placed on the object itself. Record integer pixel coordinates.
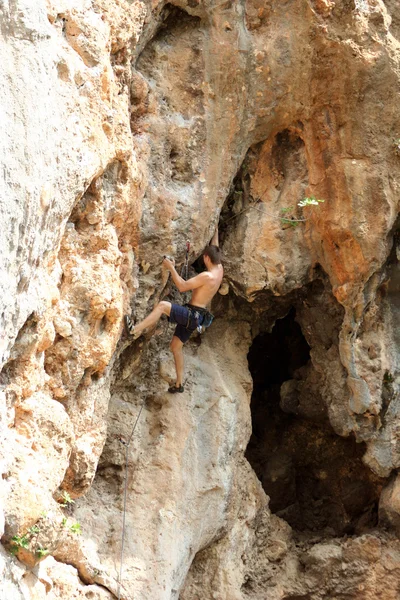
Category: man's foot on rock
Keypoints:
(176, 389)
(130, 327)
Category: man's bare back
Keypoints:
(203, 295)
(205, 285)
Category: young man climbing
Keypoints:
(192, 315)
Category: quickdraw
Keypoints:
(185, 266)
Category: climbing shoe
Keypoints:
(130, 327)
(176, 390)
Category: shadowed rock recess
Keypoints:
(316, 480)
(128, 128)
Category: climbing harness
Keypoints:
(126, 444)
(202, 317)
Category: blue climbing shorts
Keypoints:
(186, 321)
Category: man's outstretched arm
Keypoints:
(215, 241)
(181, 284)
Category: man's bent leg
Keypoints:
(176, 348)
(162, 308)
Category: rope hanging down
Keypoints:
(184, 275)
(125, 498)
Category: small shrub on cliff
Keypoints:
(291, 220)
(76, 528)
(66, 499)
(34, 529)
(23, 541)
(19, 541)
(310, 201)
(41, 552)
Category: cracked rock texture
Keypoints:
(129, 127)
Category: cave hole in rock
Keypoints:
(315, 479)
(238, 200)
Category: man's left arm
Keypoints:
(215, 240)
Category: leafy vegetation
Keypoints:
(293, 221)
(309, 201)
(34, 529)
(76, 528)
(23, 541)
(66, 499)
(19, 541)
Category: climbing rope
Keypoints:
(125, 498)
(184, 275)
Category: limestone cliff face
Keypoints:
(130, 127)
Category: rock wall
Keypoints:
(128, 128)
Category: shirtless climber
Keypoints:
(191, 316)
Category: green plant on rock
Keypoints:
(34, 529)
(310, 201)
(66, 499)
(291, 221)
(23, 541)
(41, 552)
(76, 528)
(19, 541)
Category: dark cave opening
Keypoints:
(315, 479)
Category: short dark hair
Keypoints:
(213, 253)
